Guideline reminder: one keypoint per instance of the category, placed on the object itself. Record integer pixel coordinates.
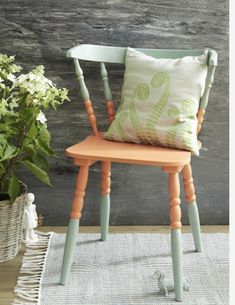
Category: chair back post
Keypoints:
(86, 97)
(212, 63)
(107, 92)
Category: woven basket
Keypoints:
(11, 227)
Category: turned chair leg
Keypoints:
(194, 219)
(105, 198)
(176, 237)
(73, 226)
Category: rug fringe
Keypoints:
(28, 287)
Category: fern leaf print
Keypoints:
(142, 93)
(158, 80)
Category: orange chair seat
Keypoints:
(95, 148)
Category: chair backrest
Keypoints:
(108, 54)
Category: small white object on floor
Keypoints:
(30, 220)
(165, 285)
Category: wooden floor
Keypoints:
(9, 270)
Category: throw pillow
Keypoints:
(159, 101)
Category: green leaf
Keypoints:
(2, 169)
(12, 121)
(45, 148)
(4, 127)
(31, 135)
(30, 113)
(38, 160)
(29, 148)
(3, 139)
(41, 161)
(37, 171)
(43, 141)
(13, 188)
(33, 131)
(9, 152)
(44, 134)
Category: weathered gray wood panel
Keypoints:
(40, 32)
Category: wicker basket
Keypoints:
(11, 227)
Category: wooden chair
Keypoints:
(95, 148)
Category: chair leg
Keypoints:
(176, 237)
(73, 227)
(105, 198)
(194, 219)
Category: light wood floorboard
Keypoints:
(9, 270)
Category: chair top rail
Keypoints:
(109, 54)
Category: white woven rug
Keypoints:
(120, 271)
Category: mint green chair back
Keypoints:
(116, 55)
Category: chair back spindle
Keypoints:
(200, 117)
(212, 63)
(107, 92)
(86, 97)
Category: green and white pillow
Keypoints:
(159, 102)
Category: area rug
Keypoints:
(120, 271)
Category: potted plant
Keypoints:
(24, 142)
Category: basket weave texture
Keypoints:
(11, 227)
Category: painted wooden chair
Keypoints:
(95, 148)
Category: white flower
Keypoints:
(13, 104)
(32, 76)
(35, 101)
(22, 78)
(1, 80)
(11, 77)
(31, 88)
(41, 117)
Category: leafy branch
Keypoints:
(24, 137)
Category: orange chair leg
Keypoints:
(79, 194)
(73, 226)
(174, 192)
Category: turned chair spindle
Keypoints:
(86, 97)
(212, 63)
(107, 93)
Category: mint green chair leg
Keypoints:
(194, 219)
(195, 223)
(177, 262)
(104, 216)
(105, 198)
(75, 215)
(176, 238)
(70, 244)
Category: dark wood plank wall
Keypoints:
(40, 32)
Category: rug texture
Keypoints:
(120, 271)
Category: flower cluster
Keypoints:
(33, 89)
(24, 138)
